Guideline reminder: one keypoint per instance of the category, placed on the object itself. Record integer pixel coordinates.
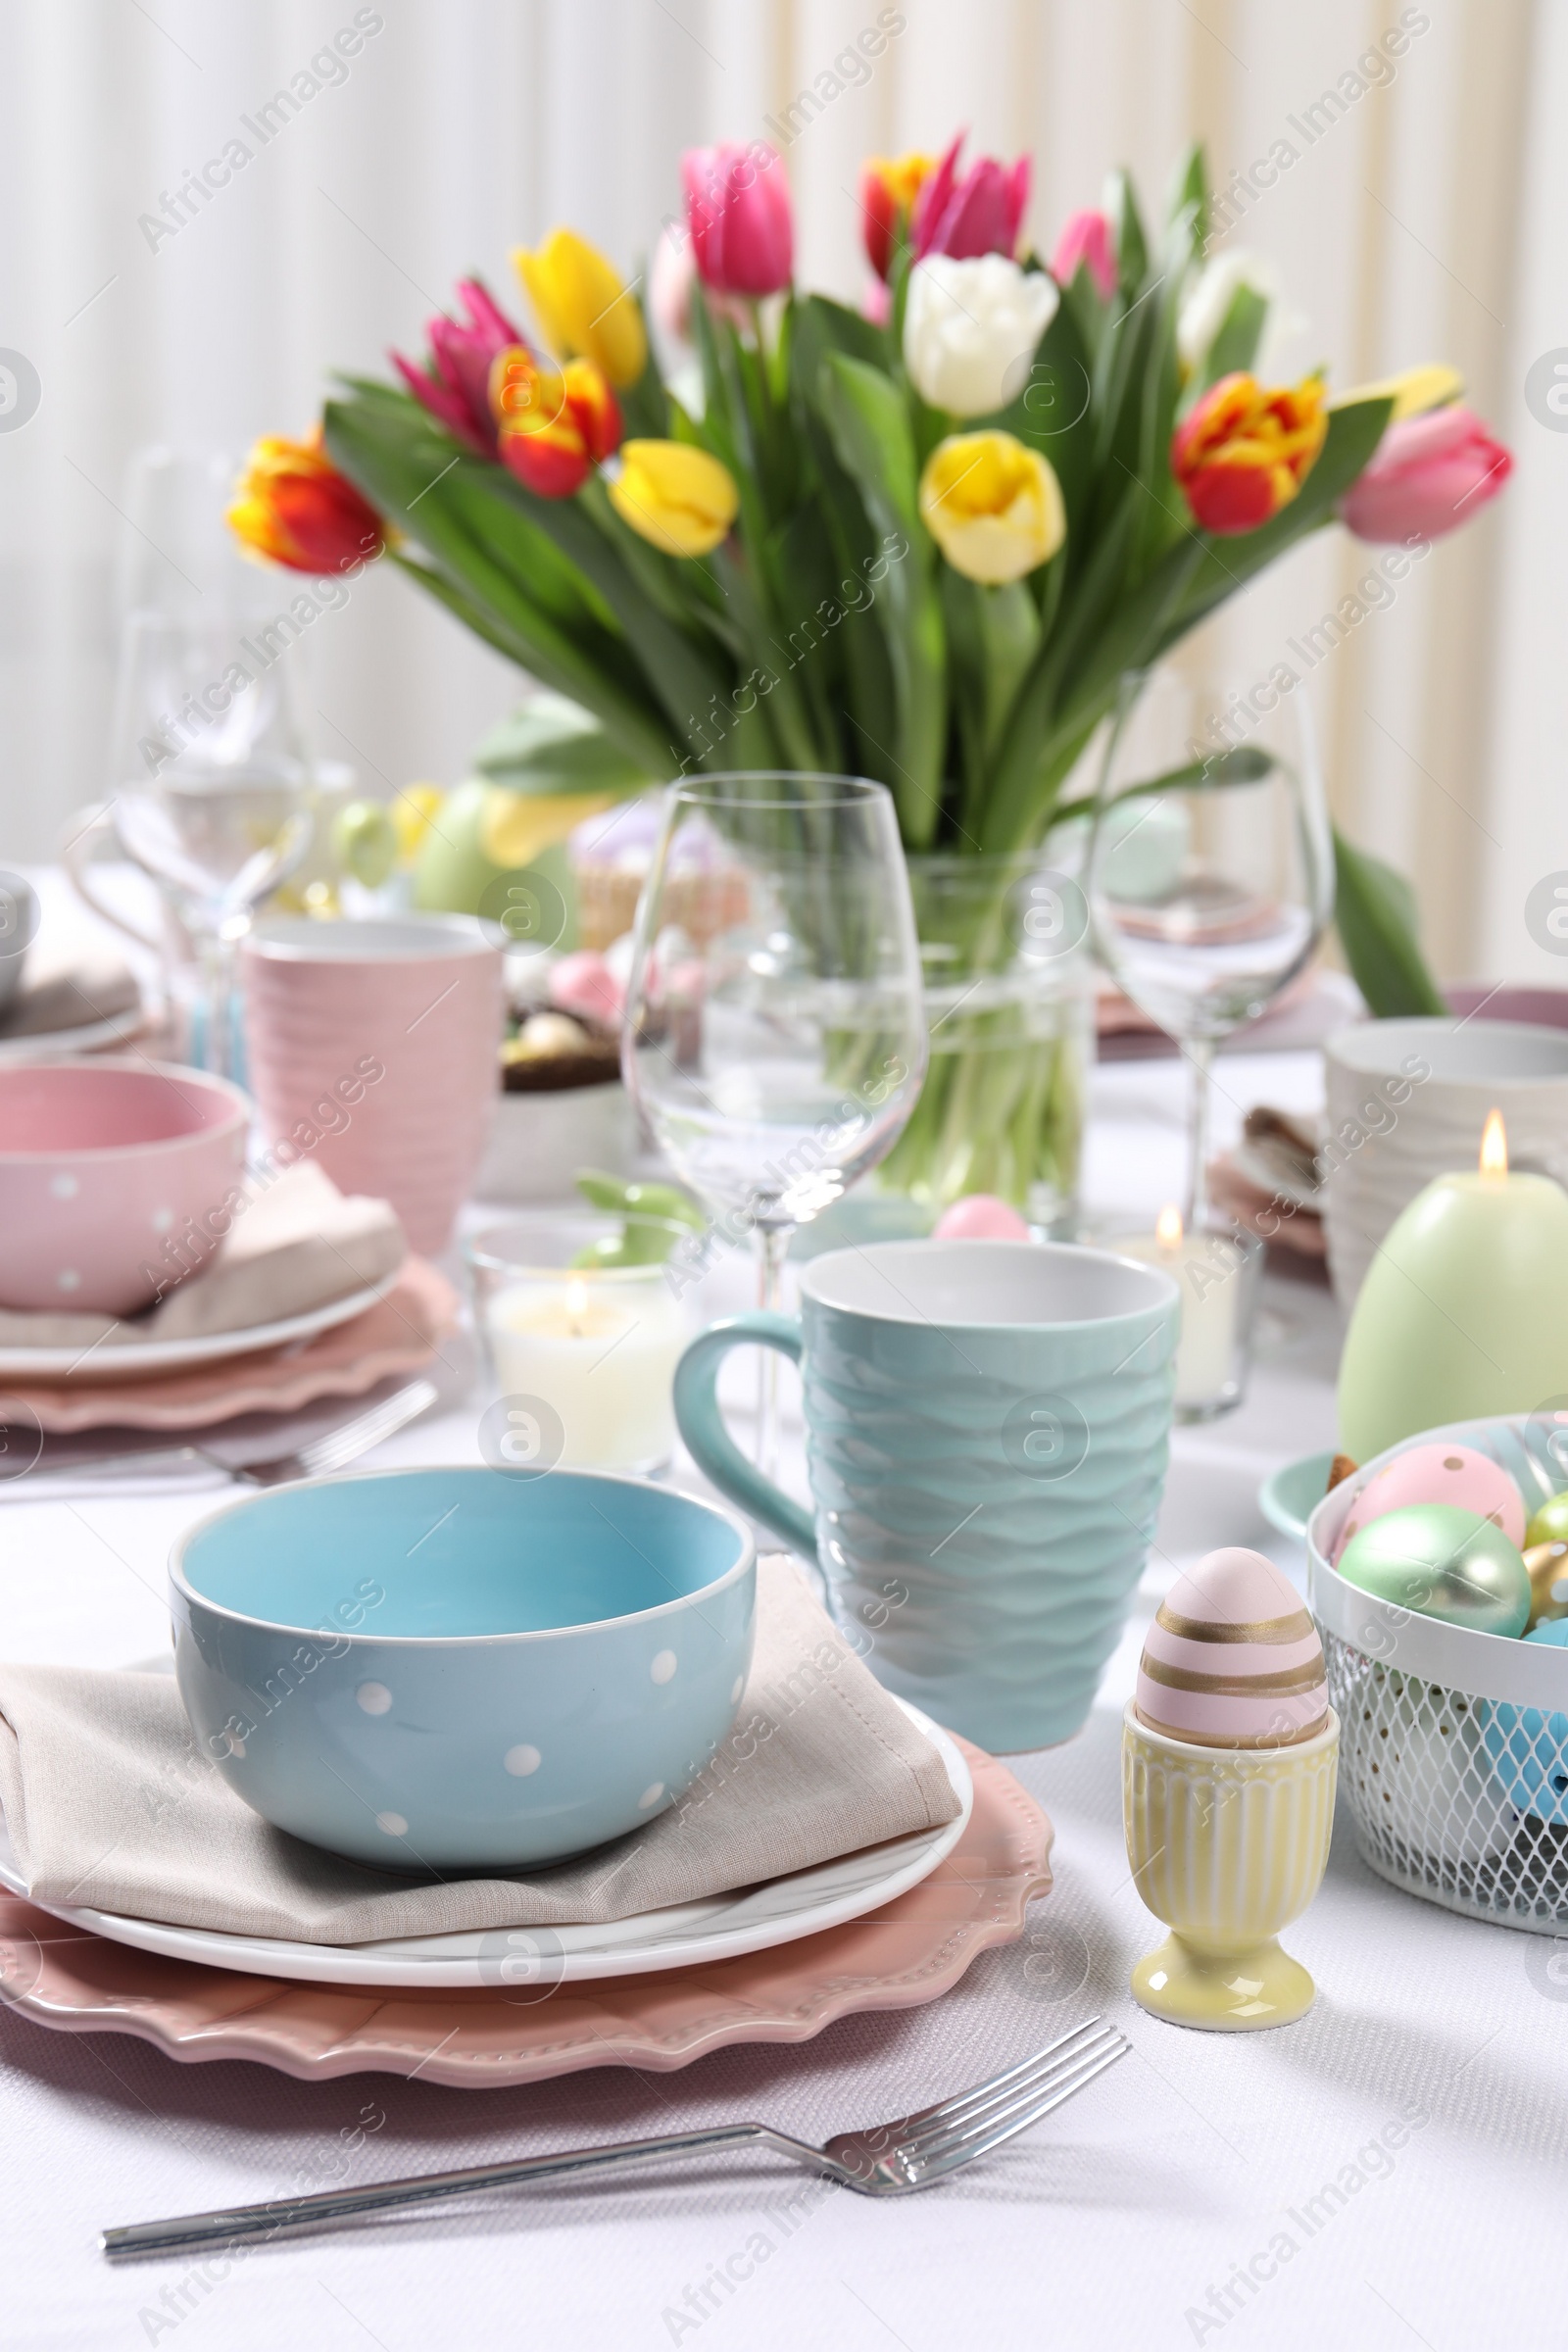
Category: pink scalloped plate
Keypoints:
(398, 1334)
(910, 1951)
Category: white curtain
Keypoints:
(1415, 217)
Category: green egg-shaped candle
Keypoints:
(1443, 1562)
(1549, 1524)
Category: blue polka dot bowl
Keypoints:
(463, 1669)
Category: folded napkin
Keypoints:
(62, 989)
(299, 1243)
(1271, 1182)
(109, 1803)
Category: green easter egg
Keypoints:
(366, 842)
(1443, 1562)
(1549, 1524)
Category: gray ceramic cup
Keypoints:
(1408, 1101)
(987, 1426)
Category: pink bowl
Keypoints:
(117, 1179)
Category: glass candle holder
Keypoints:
(1217, 1272)
(581, 1332)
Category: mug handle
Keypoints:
(95, 825)
(708, 1442)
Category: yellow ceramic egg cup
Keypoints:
(1227, 1845)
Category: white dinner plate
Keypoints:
(751, 1919)
(176, 1355)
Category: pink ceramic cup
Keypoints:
(373, 1049)
(118, 1177)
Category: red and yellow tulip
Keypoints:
(889, 187)
(555, 424)
(1243, 451)
(292, 506)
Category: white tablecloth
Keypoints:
(1210, 2189)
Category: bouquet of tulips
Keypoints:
(923, 541)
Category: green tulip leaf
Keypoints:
(554, 746)
(1247, 764)
(1374, 912)
(869, 426)
(1132, 246)
(1241, 331)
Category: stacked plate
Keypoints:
(891, 1927)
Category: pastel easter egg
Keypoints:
(1529, 1750)
(1549, 1524)
(981, 1217)
(1233, 1659)
(1546, 1565)
(582, 982)
(1442, 1562)
(1452, 1473)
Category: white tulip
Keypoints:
(1203, 313)
(971, 330)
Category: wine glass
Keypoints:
(1211, 867)
(209, 784)
(210, 789)
(775, 1038)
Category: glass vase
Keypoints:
(1010, 1008)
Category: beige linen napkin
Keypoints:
(299, 1243)
(65, 989)
(109, 1805)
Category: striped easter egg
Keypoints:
(1233, 1659)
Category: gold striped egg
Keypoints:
(1233, 1659)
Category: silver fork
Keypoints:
(890, 2160)
(333, 1449)
(337, 1448)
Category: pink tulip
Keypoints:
(738, 209)
(981, 212)
(980, 1217)
(1430, 475)
(455, 385)
(1087, 237)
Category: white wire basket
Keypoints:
(1454, 1744)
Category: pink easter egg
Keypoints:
(981, 1217)
(582, 982)
(1456, 1474)
(1233, 1659)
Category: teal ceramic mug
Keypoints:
(986, 1430)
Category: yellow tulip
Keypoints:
(993, 506)
(1414, 391)
(678, 498)
(584, 308)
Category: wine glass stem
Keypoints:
(1199, 1054)
(774, 1242)
(218, 960)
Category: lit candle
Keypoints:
(602, 1352)
(1213, 1273)
(1464, 1310)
